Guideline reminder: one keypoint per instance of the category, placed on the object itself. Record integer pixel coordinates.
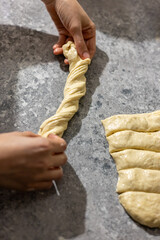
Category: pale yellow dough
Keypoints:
(132, 158)
(74, 89)
(134, 143)
(138, 179)
(129, 139)
(146, 122)
(142, 207)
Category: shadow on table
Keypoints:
(137, 20)
(44, 215)
(21, 48)
(151, 231)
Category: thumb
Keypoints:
(81, 45)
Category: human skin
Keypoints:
(72, 23)
(30, 162)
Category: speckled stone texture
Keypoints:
(124, 77)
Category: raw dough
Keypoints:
(142, 207)
(134, 143)
(146, 122)
(138, 179)
(74, 89)
(129, 139)
(132, 158)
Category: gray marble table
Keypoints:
(124, 77)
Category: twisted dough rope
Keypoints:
(74, 89)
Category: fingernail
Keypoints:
(55, 46)
(66, 61)
(86, 55)
(64, 145)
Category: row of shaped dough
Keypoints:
(134, 143)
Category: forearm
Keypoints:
(48, 2)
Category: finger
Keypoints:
(58, 160)
(81, 45)
(50, 175)
(55, 46)
(58, 144)
(58, 51)
(91, 44)
(40, 186)
(52, 144)
(66, 61)
(61, 41)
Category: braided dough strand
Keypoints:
(74, 89)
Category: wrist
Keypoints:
(48, 2)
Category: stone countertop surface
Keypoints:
(124, 77)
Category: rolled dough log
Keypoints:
(129, 139)
(131, 158)
(74, 89)
(134, 143)
(138, 179)
(146, 122)
(142, 207)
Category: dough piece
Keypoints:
(74, 89)
(131, 158)
(129, 139)
(137, 179)
(134, 143)
(144, 122)
(142, 207)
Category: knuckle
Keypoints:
(44, 144)
(93, 26)
(43, 165)
(64, 146)
(74, 28)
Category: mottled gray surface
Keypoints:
(124, 78)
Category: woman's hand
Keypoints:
(74, 24)
(30, 162)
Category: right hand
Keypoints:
(29, 161)
(74, 24)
